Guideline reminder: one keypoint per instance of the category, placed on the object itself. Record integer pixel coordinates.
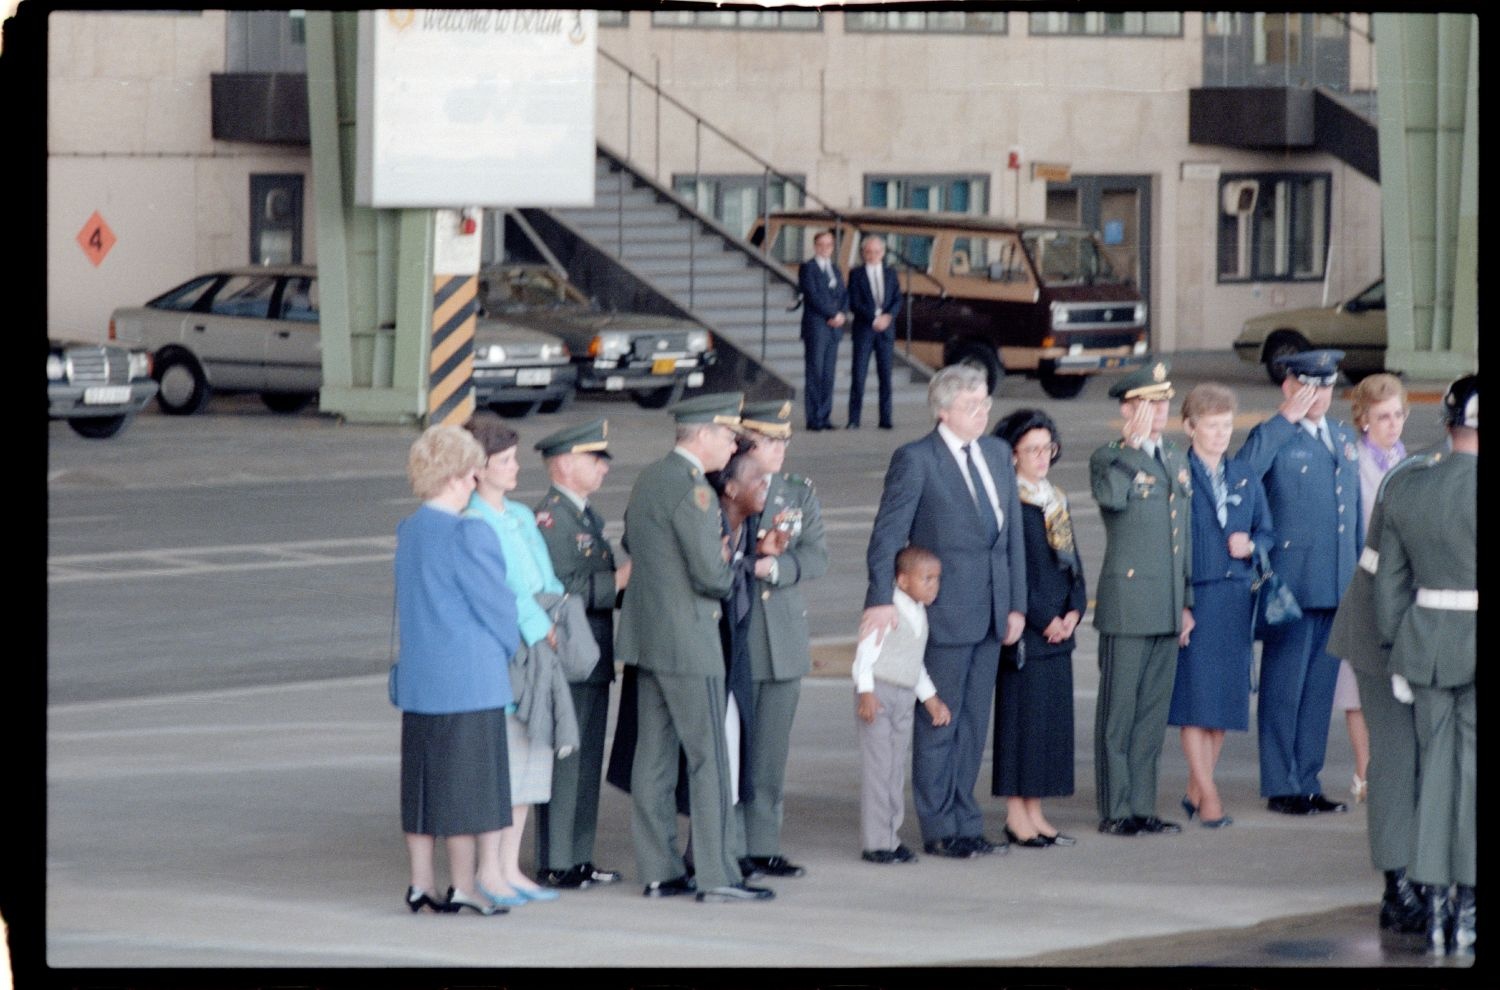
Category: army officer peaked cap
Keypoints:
(720, 407)
(771, 419)
(587, 438)
(1146, 382)
(1313, 367)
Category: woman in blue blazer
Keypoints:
(1230, 518)
(451, 680)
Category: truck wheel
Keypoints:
(98, 427)
(1063, 386)
(657, 398)
(981, 356)
(514, 410)
(183, 388)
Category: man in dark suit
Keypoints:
(577, 460)
(824, 299)
(875, 300)
(1309, 466)
(954, 492)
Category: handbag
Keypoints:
(1275, 605)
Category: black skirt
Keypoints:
(455, 773)
(1034, 725)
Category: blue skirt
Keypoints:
(1212, 690)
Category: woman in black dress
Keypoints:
(1034, 686)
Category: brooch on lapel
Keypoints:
(544, 519)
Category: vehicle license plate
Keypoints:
(106, 395)
(663, 366)
(534, 376)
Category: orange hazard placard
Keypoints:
(96, 238)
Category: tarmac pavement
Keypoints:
(252, 830)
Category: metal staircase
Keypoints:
(717, 278)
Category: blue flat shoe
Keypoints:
(1189, 807)
(1217, 822)
(540, 894)
(515, 900)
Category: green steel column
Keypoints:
(373, 265)
(1429, 134)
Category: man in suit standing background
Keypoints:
(875, 300)
(824, 299)
(954, 492)
(577, 460)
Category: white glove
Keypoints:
(1401, 688)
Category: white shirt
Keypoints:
(1316, 430)
(689, 457)
(876, 276)
(579, 502)
(909, 612)
(956, 447)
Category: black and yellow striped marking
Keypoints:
(450, 392)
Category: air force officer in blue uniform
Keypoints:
(1309, 466)
(824, 299)
(954, 492)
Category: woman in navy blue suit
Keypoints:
(1230, 518)
(451, 679)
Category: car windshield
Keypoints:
(521, 289)
(1371, 298)
(1067, 257)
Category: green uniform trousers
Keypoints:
(1392, 774)
(1446, 822)
(775, 709)
(1136, 674)
(566, 825)
(685, 712)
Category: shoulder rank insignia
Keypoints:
(544, 519)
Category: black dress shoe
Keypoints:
(748, 869)
(573, 878)
(1060, 840)
(1151, 825)
(1321, 804)
(980, 846)
(952, 847)
(777, 866)
(901, 854)
(671, 888)
(887, 426)
(1290, 804)
(851, 426)
(878, 855)
(1119, 826)
(736, 892)
(1038, 841)
(1403, 908)
(599, 876)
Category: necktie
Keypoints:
(877, 286)
(1323, 435)
(982, 500)
(827, 272)
(1221, 495)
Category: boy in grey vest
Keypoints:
(887, 671)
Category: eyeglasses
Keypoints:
(1033, 449)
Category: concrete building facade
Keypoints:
(1081, 116)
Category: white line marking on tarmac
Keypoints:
(68, 568)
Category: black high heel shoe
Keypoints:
(457, 900)
(417, 899)
(1189, 807)
(1037, 841)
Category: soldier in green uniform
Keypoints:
(780, 654)
(1427, 604)
(1144, 598)
(577, 459)
(669, 631)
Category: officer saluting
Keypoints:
(669, 631)
(577, 459)
(1309, 466)
(1427, 602)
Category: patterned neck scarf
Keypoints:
(1054, 505)
(1384, 461)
